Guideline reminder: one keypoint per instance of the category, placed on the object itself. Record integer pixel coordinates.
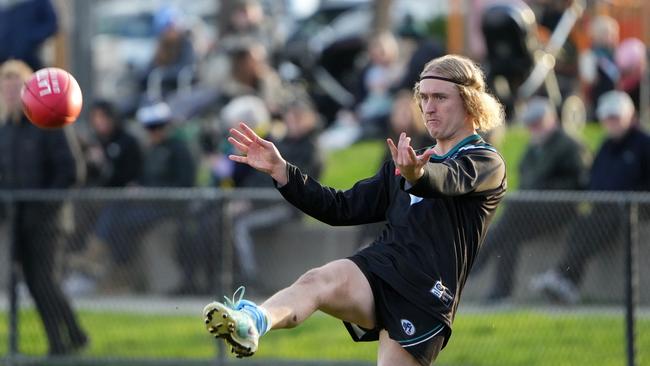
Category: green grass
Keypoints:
(512, 338)
(345, 167)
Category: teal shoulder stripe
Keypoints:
(465, 141)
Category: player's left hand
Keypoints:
(410, 165)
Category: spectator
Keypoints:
(168, 163)
(621, 164)
(32, 158)
(368, 117)
(246, 19)
(24, 27)
(424, 48)
(113, 159)
(553, 161)
(203, 248)
(298, 146)
(597, 67)
(251, 74)
(373, 96)
(174, 52)
(632, 63)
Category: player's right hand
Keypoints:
(258, 153)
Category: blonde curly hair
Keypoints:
(483, 108)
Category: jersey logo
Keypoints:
(408, 327)
(415, 199)
(441, 292)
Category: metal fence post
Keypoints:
(225, 263)
(13, 280)
(631, 280)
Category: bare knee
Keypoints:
(316, 279)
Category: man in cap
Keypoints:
(553, 161)
(167, 163)
(621, 164)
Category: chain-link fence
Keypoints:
(560, 277)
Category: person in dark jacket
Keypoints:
(621, 164)
(404, 289)
(174, 53)
(553, 160)
(113, 159)
(24, 26)
(32, 158)
(168, 163)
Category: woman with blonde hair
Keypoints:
(33, 158)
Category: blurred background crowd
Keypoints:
(164, 80)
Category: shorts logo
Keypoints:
(408, 327)
(441, 292)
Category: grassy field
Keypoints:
(344, 167)
(499, 338)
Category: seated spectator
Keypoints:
(621, 164)
(297, 146)
(246, 19)
(373, 95)
(113, 159)
(114, 156)
(174, 53)
(203, 247)
(553, 160)
(251, 74)
(167, 163)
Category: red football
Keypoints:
(51, 98)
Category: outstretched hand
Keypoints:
(258, 153)
(410, 165)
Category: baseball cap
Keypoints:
(155, 114)
(536, 108)
(614, 103)
(246, 108)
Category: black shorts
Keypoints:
(419, 333)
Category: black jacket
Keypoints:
(123, 164)
(622, 165)
(33, 158)
(434, 229)
(560, 162)
(168, 164)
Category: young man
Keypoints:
(404, 289)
